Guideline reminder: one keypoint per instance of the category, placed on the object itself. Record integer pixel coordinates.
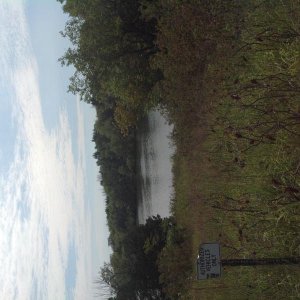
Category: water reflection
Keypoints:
(154, 170)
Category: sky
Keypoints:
(53, 233)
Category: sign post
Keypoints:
(261, 261)
(209, 262)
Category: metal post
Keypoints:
(261, 261)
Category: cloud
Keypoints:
(42, 213)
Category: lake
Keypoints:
(154, 169)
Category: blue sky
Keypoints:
(53, 233)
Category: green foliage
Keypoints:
(111, 46)
(133, 272)
(238, 62)
(231, 68)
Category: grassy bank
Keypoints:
(232, 88)
(227, 75)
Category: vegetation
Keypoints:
(232, 69)
(226, 74)
(111, 46)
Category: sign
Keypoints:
(208, 261)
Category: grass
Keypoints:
(237, 167)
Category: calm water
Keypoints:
(155, 176)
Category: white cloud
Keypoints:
(42, 209)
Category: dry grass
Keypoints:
(228, 160)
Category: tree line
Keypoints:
(111, 47)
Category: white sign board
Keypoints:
(209, 261)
